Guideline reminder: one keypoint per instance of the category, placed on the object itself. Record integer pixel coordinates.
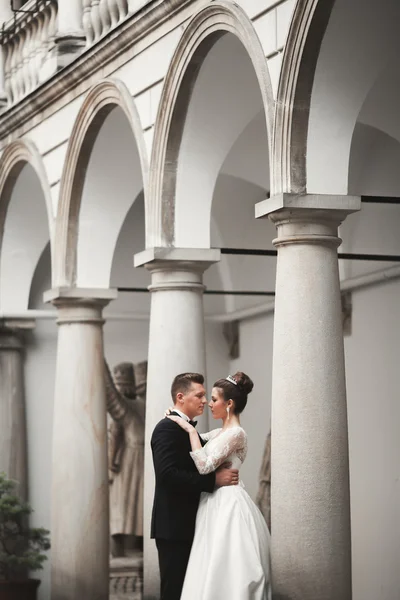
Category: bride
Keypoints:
(230, 552)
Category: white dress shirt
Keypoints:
(181, 414)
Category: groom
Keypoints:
(179, 484)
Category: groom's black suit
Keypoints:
(176, 499)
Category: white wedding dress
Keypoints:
(230, 556)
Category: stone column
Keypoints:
(80, 504)
(176, 345)
(70, 38)
(311, 542)
(13, 452)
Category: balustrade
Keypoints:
(27, 40)
(46, 35)
(100, 16)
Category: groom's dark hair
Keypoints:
(183, 382)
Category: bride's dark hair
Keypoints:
(238, 391)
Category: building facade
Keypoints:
(139, 140)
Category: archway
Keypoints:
(26, 222)
(184, 157)
(93, 205)
(323, 86)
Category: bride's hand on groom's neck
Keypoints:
(185, 425)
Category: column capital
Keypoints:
(197, 259)
(308, 219)
(12, 332)
(79, 305)
(80, 295)
(314, 206)
(17, 324)
(177, 268)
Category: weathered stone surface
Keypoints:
(126, 578)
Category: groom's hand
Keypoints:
(224, 477)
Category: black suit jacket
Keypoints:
(178, 483)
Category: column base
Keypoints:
(126, 577)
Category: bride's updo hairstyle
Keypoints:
(236, 387)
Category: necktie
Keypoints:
(193, 423)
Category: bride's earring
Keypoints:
(228, 410)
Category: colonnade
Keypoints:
(311, 542)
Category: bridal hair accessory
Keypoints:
(231, 380)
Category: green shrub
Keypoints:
(21, 547)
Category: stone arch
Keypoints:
(332, 62)
(306, 32)
(202, 32)
(15, 157)
(100, 101)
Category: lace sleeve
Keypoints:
(208, 460)
(206, 437)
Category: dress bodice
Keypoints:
(229, 445)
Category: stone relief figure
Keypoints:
(125, 457)
(263, 499)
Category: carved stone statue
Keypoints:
(125, 456)
(141, 379)
(263, 499)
